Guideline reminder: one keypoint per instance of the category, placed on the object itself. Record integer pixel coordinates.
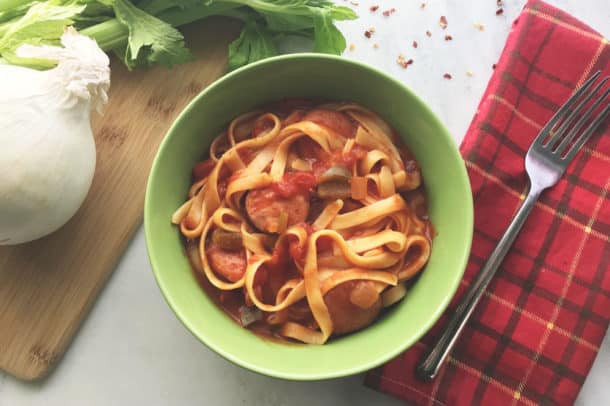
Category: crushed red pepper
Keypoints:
(443, 22)
(373, 8)
(447, 76)
(428, 33)
(389, 11)
(414, 44)
(403, 62)
(448, 37)
(499, 11)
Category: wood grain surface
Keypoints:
(49, 285)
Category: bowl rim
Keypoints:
(460, 262)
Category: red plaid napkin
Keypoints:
(536, 332)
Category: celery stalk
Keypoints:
(6, 5)
(112, 34)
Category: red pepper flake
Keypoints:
(388, 12)
(500, 3)
(368, 34)
(428, 33)
(493, 66)
(447, 76)
(499, 11)
(448, 37)
(373, 8)
(414, 44)
(403, 62)
(443, 22)
(422, 6)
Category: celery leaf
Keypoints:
(254, 43)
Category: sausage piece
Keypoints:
(347, 316)
(229, 264)
(333, 120)
(264, 207)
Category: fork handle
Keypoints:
(430, 364)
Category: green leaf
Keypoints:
(150, 39)
(14, 12)
(42, 24)
(297, 15)
(254, 43)
(327, 37)
(342, 13)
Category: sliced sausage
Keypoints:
(264, 207)
(333, 120)
(346, 315)
(229, 264)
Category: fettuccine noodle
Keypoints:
(312, 218)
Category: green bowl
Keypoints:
(316, 76)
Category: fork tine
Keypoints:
(562, 110)
(554, 139)
(580, 124)
(588, 133)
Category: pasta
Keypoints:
(306, 220)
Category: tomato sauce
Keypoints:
(231, 300)
(288, 257)
(203, 169)
(294, 183)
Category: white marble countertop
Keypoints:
(132, 350)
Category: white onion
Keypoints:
(47, 151)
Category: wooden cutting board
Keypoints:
(48, 286)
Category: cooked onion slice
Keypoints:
(393, 295)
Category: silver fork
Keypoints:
(546, 161)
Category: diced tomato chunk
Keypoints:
(354, 155)
(203, 169)
(294, 183)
